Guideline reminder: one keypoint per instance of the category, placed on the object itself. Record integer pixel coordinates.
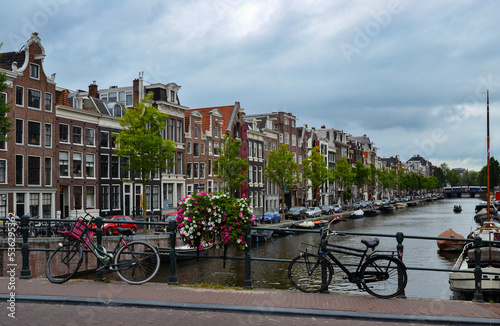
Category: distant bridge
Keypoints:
(465, 191)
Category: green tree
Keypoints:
(343, 176)
(282, 169)
(141, 143)
(373, 178)
(315, 170)
(230, 166)
(440, 174)
(360, 176)
(5, 121)
(453, 178)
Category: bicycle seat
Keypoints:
(124, 231)
(370, 243)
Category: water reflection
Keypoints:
(427, 219)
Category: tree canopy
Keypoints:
(315, 169)
(230, 166)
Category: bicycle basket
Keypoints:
(308, 248)
(77, 233)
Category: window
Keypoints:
(170, 195)
(34, 167)
(155, 200)
(202, 170)
(115, 167)
(209, 167)
(179, 163)
(121, 96)
(64, 164)
(171, 127)
(34, 204)
(90, 137)
(148, 197)
(19, 170)
(250, 175)
(112, 97)
(209, 148)
(104, 197)
(77, 135)
(281, 138)
(115, 197)
(189, 147)
(286, 120)
(172, 96)
(294, 140)
(188, 172)
(195, 170)
(34, 99)
(34, 133)
(195, 132)
(89, 165)
(77, 165)
(202, 148)
(20, 95)
(19, 131)
(216, 132)
(34, 71)
(48, 102)
(104, 166)
(129, 99)
(77, 196)
(216, 149)
(47, 205)
(293, 123)
(90, 198)
(48, 171)
(178, 135)
(104, 136)
(63, 133)
(286, 138)
(48, 135)
(196, 149)
(3, 171)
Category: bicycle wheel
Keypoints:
(310, 273)
(137, 262)
(64, 262)
(384, 277)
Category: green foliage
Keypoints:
(141, 143)
(5, 108)
(315, 169)
(230, 166)
(343, 176)
(282, 169)
(360, 174)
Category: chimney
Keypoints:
(93, 90)
(135, 91)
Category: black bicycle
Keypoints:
(136, 261)
(380, 273)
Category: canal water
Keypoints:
(426, 219)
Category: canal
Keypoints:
(426, 219)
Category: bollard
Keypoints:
(99, 275)
(399, 238)
(478, 293)
(173, 256)
(25, 250)
(248, 261)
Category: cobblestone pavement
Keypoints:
(85, 302)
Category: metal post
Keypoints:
(25, 250)
(399, 238)
(99, 275)
(478, 293)
(173, 256)
(323, 243)
(248, 261)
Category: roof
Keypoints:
(7, 58)
(63, 99)
(226, 111)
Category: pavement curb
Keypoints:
(289, 312)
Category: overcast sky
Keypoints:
(411, 75)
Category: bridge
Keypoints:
(464, 191)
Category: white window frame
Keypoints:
(81, 135)
(4, 173)
(39, 171)
(39, 133)
(86, 138)
(47, 138)
(48, 96)
(15, 134)
(15, 96)
(47, 181)
(37, 70)
(87, 155)
(69, 165)
(40, 102)
(68, 133)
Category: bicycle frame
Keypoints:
(330, 249)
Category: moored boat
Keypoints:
(387, 208)
(183, 252)
(259, 236)
(450, 245)
(371, 212)
(457, 208)
(358, 214)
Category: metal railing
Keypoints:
(171, 233)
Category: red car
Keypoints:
(122, 221)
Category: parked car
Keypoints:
(296, 212)
(162, 225)
(337, 208)
(326, 209)
(313, 212)
(122, 221)
(270, 217)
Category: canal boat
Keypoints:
(184, 252)
(312, 224)
(259, 236)
(357, 214)
(457, 209)
(462, 278)
(387, 208)
(450, 245)
(371, 212)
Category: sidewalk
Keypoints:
(257, 301)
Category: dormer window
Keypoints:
(172, 96)
(34, 71)
(78, 103)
